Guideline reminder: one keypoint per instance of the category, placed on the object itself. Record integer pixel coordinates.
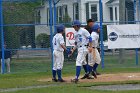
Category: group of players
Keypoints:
(86, 42)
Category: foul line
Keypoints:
(26, 88)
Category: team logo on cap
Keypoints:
(113, 36)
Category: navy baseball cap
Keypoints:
(76, 23)
(60, 28)
(95, 27)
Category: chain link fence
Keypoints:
(30, 49)
(122, 12)
(26, 27)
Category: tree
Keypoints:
(43, 40)
(19, 13)
(66, 20)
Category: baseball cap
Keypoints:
(60, 28)
(76, 23)
(95, 27)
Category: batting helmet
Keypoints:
(76, 23)
(95, 27)
(60, 28)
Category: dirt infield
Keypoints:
(103, 78)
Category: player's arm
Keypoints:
(74, 48)
(90, 44)
(75, 43)
(62, 43)
(64, 47)
(88, 36)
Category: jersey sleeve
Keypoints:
(61, 40)
(86, 33)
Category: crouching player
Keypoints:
(59, 48)
(94, 57)
(82, 37)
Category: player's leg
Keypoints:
(86, 69)
(85, 66)
(54, 66)
(90, 64)
(1, 65)
(97, 62)
(7, 61)
(60, 62)
(95, 67)
(79, 63)
(80, 58)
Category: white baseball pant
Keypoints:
(97, 59)
(58, 60)
(81, 57)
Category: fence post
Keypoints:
(137, 58)
(2, 38)
(55, 17)
(51, 31)
(101, 32)
(136, 50)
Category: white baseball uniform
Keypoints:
(81, 37)
(97, 59)
(58, 55)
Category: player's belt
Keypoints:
(84, 45)
(59, 50)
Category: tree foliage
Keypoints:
(17, 13)
(43, 40)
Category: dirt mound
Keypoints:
(103, 78)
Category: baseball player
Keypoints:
(82, 37)
(59, 47)
(7, 59)
(90, 24)
(94, 57)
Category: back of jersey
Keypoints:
(58, 40)
(95, 38)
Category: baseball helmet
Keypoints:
(60, 28)
(95, 27)
(76, 23)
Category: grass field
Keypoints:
(26, 73)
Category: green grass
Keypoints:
(26, 72)
(31, 65)
(70, 89)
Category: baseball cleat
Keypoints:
(61, 80)
(90, 77)
(54, 80)
(85, 76)
(74, 80)
(98, 73)
(94, 74)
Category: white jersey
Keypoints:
(81, 37)
(58, 40)
(95, 38)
